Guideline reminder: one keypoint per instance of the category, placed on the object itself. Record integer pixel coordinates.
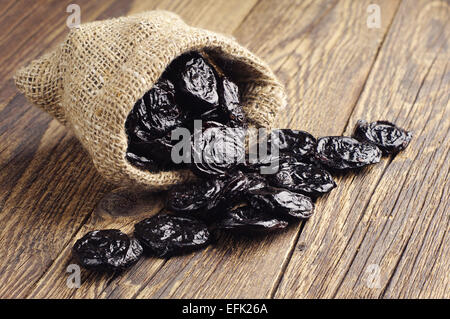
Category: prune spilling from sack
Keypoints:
(237, 185)
(197, 81)
(301, 177)
(107, 250)
(247, 219)
(341, 152)
(194, 197)
(166, 235)
(230, 103)
(386, 135)
(217, 150)
(282, 202)
(206, 195)
(299, 144)
(155, 155)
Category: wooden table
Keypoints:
(383, 233)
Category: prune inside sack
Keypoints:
(217, 150)
(190, 89)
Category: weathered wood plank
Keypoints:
(227, 270)
(53, 283)
(323, 51)
(394, 217)
(50, 185)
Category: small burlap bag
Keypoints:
(92, 80)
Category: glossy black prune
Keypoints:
(342, 152)
(153, 155)
(237, 186)
(197, 81)
(107, 250)
(247, 219)
(385, 135)
(299, 144)
(301, 177)
(166, 235)
(206, 195)
(157, 111)
(230, 103)
(282, 202)
(140, 161)
(195, 197)
(217, 150)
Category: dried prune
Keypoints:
(230, 103)
(217, 150)
(197, 81)
(342, 152)
(107, 250)
(157, 111)
(205, 195)
(301, 177)
(299, 144)
(194, 197)
(166, 235)
(267, 164)
(247, 219)
(283, 202)
(140, 161)
(237, 185)
(385, 135)
(154, 155)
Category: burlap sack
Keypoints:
(92, 80)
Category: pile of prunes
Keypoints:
(235, 191)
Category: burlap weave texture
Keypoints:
(92, 80)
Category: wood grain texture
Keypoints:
(394, 217)
(336, 70)
(53, 282)
(227, 270)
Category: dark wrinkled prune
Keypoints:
(107, 250)
(230, 103)
(299, 144)
(268, 164)
(217, 150)
(197, 81)
(342, 152)
(157, 111)
(206, 195)
(167, 235)
(140, 161)
(154, 155)
(237, 185)
(194, 197)
(247, 219)
(301, 177)
(283, 202)
(385, 135)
